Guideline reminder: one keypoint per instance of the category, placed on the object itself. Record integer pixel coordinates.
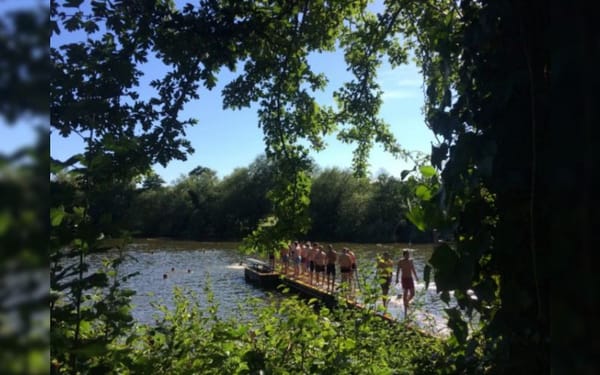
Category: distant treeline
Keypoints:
(200, 206)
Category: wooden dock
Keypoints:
(261, 274)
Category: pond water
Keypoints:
(164, 265)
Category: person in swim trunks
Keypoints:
(304, 264)
(406, 268)
(320, 261)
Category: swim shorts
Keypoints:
(408, 283)
(331, 269)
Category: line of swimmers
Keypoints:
(313, 260)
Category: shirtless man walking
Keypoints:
(407, 267)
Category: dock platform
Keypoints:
(263, 275)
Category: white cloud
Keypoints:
(401, 85)
(411, 82)
(400, 94)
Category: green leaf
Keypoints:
(423, 192)
(416, 216)
(56, 215)
(427, 170)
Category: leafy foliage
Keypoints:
(24, 190)
(488, 71)
(93, 95)
(284, 337)
(203, 207)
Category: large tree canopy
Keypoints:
(492, 81)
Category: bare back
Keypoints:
(331, 256)
(321, 257)
(407, 268)
(344, 260)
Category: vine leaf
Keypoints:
(416, 216)
(423, 192)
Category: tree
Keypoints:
(202, 189)
(490, 79)
(494, 72)
(385, 213)
(93, 95)
(152, 181)
(244, 200)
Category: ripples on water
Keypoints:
(194, 265)
(190, 269)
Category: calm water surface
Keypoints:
(192, 265)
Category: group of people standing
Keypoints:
(318, 266)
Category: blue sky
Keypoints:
(224, 140)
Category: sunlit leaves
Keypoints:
(423, 193)
(288, 336)
(416, 216)
(427, 171)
